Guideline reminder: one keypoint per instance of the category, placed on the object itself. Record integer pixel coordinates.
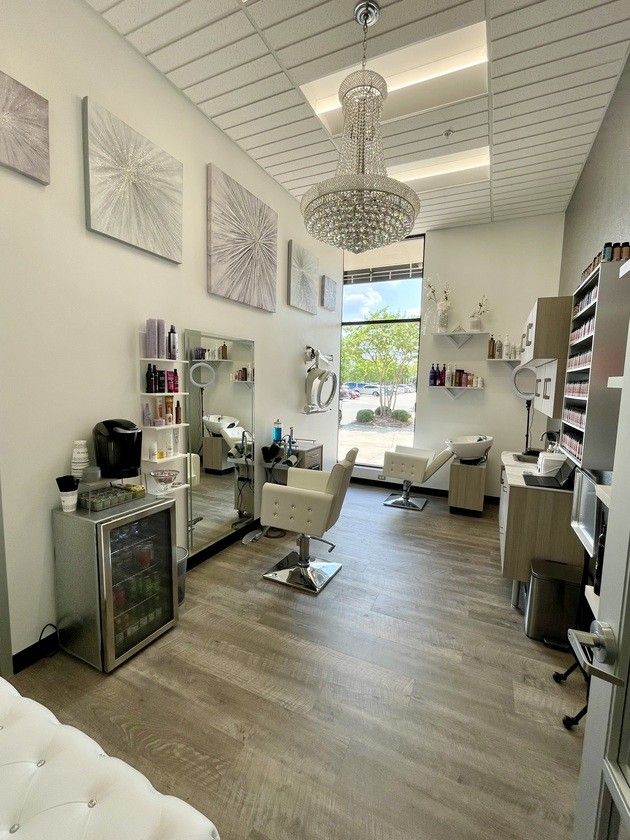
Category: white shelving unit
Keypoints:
(165, 361)
(164, 394)
(511, 362)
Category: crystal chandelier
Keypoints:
(361, 207)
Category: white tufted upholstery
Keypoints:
(414, 465)
(58, 784)
(311, 501)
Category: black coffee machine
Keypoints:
(118, 448)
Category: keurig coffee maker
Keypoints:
(118, 448)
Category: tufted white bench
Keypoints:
(58, 784)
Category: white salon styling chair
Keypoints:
(413, 466)
(309, 505)
(58, 784)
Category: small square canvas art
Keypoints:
(303, 272)
(328, 293)
(242, 243)
(24, 144)
(133, 189)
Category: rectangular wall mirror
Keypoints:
(221, 415)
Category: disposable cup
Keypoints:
(69, 501)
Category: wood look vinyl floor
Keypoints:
(403, 703)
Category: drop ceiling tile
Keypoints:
(266, 138)
(282, 118)
(128, 15)
(262, 91)
(581, 98)
(230, 58)
(179, 22)
(266, 13)
(201, 43)
(234, 80)
(294, 158)
(300, 145)
(565, 83)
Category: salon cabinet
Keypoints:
(534, 523)
(309, 457)
(546, 331)
(549, 388)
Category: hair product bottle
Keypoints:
(173, 343)
(178, 413)
(149, 378)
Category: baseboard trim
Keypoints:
(33, 653)
(224, 542)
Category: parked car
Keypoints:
(347, 393)
(406, 389)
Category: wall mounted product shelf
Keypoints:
(459, 338)
(166, 459)
(165, 394)
(454, 391)
(166, 361)
(514, 362)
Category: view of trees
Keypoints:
(386, 354)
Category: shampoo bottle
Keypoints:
(178, 413)
(432, 376)
(276, 435)
(173, 343)
(149, 378)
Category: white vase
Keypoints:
(475, 324)
(442, 317)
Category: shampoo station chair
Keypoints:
(308, 505)
(413, 466)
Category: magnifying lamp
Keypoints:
(524, 386)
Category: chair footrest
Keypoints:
(397, 501)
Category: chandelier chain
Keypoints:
(365, 31)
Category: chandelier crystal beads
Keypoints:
(361, 207)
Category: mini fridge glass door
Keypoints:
(138, 581)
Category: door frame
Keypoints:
(601, 782)
(6, 659)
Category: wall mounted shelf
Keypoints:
(164, 394)
(514, 362)
(166, 361)
(454, 391)
(459, 337)
(164, 428)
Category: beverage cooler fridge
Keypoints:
(115, 579)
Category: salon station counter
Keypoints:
(534, 523)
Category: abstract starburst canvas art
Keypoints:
(133, 188)
(328, 293)
(242, 243)
(303, 273)
(24, 130)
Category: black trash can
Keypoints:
(553, 599)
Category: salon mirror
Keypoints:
(221, 412)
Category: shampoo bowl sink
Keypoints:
(470, 447)
(215, 423)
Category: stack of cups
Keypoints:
(68, 492)
(80, 458)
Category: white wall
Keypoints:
(513, 263)
(599, 210)
(73, 301)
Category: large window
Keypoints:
(380, 336)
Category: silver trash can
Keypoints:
(552, 602)
(181, 555)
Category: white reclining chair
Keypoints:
(309, 505)
(413, 466)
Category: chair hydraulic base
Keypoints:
(404, 501)
(301, 571)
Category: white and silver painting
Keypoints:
(24, 130)
(328, 293)
(303, 275)
(242, 243)
(133, 188)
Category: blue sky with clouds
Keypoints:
(361, 299)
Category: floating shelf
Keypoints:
(167, 361)
(459, 338)
(214, 361)
(578, 397)
(615, 381)
(162, 428)
(506, 361)
(165, 394)
(579, 369)
(454, 391)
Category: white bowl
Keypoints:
(470, 447)
(214, 423)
